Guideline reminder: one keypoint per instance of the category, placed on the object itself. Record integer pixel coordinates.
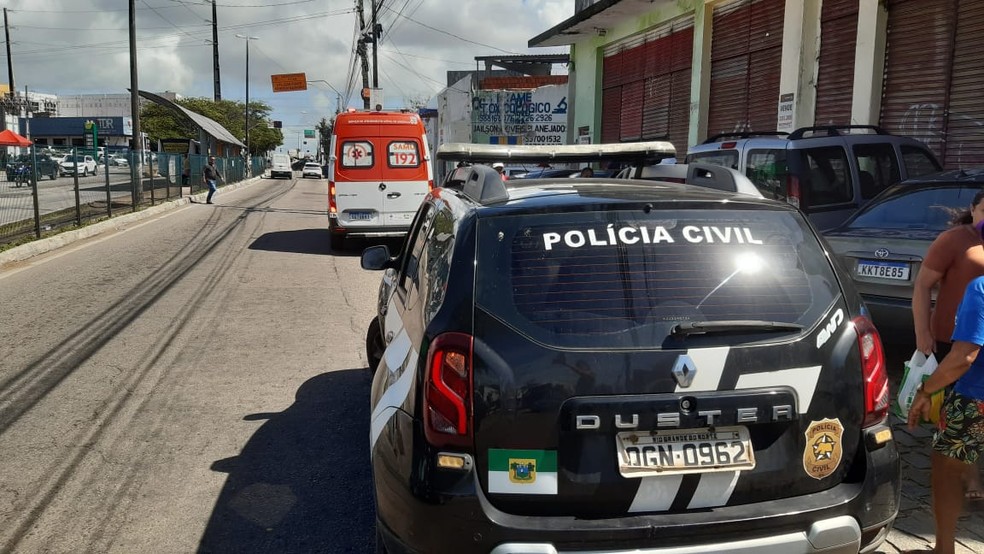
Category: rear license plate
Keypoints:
(360, 216)
(648, 453)
(883, 270)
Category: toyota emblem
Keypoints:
(882, 253)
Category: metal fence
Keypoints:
(44, 191)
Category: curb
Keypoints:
(118, 223)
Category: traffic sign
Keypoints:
(289, 82)
(308, 133)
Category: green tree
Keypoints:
(160, 122)
(324, 128)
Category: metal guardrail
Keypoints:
(42, 193)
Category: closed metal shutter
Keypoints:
(646, 86)
(746, 60)
(611, 107)
(965, 113)
(933, 75)
(835, 78)
(917, 69)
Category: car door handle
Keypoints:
(392, 195)
(389, 337)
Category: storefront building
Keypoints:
(683, 70)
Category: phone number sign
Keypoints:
(537, 116)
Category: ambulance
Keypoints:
(379, 171)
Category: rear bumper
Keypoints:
(366, 231)
(850, 517)
(891, 315)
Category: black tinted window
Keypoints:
(828, 176)
(878, 168)
(918, 161)
(724, 158)
(624, 279)
(924, 209)
(767, 169)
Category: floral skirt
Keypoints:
(960, 431)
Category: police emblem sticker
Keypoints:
(522, 470)
(823, 452)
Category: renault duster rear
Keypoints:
(628, 368)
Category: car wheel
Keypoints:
(53, 176)
(374, 345)
(85, 171)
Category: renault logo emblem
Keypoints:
(684, 371)
(881, 253)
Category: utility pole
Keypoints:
(375, 41)
(136, 169)
(363, 55)
(10, 61)
(215, 54)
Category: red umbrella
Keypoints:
(10, 138)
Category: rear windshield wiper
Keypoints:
(732, 326)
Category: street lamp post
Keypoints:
(338, 95)
(247, 39)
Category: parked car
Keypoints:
(616, 365)
(882, 246)
(83, 165)
(18, 168)
(311, 169)
(700, 174)
(827, 172)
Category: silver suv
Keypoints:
(827, 172)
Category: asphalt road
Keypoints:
(194, 382)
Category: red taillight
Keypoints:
(448, 391)
(430, 185)
(876, 396)
(728, 145)
(793, 195)
(332, 206)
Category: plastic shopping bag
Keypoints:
(917, 369)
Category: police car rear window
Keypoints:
(624, 279)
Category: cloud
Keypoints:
(81, 46)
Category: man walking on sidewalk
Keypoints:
(959, 436)
(211, 174)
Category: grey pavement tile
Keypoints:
(916, 460)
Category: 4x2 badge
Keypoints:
(823, 452)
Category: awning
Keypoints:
(208, 125)
(596, 20)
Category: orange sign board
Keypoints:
(289, 82)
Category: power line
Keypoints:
(461, 38)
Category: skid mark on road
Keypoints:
(22, 391)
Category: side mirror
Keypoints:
(375, 258)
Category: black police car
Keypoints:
(623, 366)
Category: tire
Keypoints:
(374, 345)
(337, 243)
(85, 171)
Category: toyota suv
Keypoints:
(568, 365)
(827, 172)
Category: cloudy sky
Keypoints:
(81, 46)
